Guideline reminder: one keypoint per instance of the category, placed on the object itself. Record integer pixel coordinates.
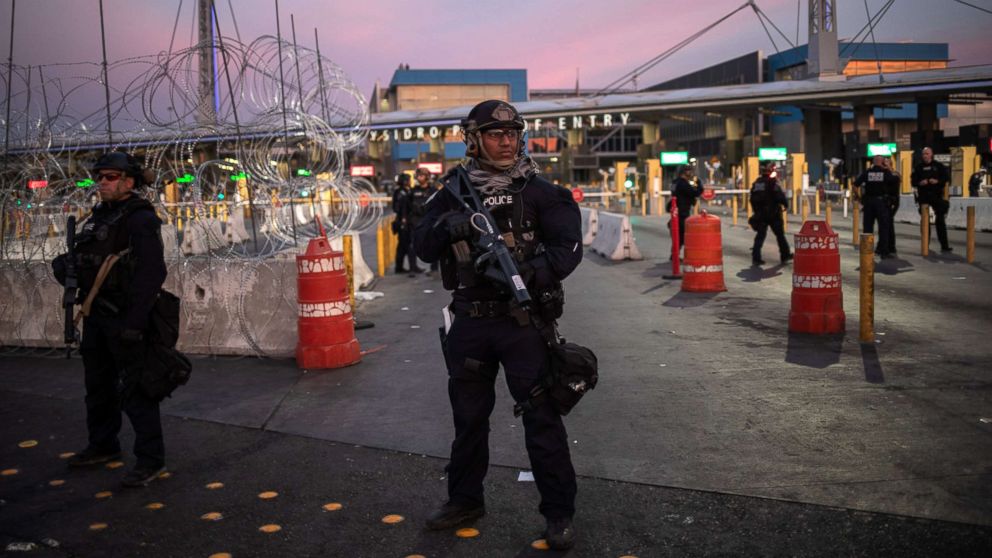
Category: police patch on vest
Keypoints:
(497, 200)
(876, 176)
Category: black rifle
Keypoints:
(504, 269)
(71, 285)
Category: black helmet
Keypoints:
(492, 114)
(685, 168)
(768, 168)
(403, 179)
(118, 160)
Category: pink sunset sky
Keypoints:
(548, 38)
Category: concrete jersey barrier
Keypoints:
(956, 216)
(590, 225)
(615, 238)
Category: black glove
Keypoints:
(458, 225)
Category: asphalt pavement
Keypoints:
(714, 432)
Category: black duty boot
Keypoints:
(560, 534)
(946, 249)
(786, 258)
(141, 476)
(449, 515)
(90, 456)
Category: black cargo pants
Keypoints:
(474, 348)
(107, 381)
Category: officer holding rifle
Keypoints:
(505, 239)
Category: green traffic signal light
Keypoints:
(628, 184)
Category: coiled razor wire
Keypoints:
(220, 167)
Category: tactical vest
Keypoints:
(418, 204)
(518, 225)
(876, 181)
(105, 233)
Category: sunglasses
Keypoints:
(498, 135)
(111, 176)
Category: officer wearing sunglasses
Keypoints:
(122, 229)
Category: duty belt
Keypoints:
(480, 308)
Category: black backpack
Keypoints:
(165, 368)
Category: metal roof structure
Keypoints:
(935, 85)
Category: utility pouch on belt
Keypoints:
(572, 371)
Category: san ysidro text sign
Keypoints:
(561, 123)
(883, 149)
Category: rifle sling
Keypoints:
(101, 276)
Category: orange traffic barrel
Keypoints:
(702, 269)
(326, 331)
(817, 300)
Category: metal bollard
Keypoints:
(816, 204)
(971, 234)
(349, 266)
(733, 207)
(380, 249)
(855, 221)
(805, 210)
(924, 229)
(829, 212)
(867, 288)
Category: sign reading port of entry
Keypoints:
(362, 170)
(773, 153)
(674, 157)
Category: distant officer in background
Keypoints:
(975, 183)
(404, 247)
(541, 225)
(767, 200)
(875, 186)
(686, 188)
(416, 208)
(114, 339)
(929, 178)
(892, 192)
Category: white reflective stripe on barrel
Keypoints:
(816, 281)
(324, 309)
(816, 242)
(686, 268)
(319, 265)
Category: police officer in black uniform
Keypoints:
(414, 209)
(404, 245)
(542, 226)
(876, 184)
(686, 188)
(929, 179)
(767, 200)
(113, 343)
